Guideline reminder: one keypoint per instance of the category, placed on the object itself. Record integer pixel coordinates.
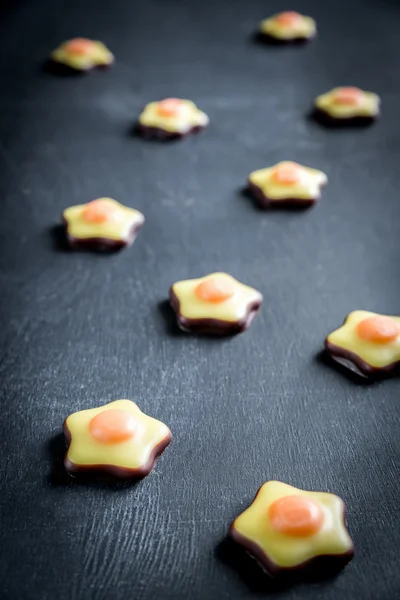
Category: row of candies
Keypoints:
(285, 528)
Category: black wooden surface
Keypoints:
(79, 329)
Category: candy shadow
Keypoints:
(258, 581)
(153, 136)
(60, 242)
(51, 67)
(58, 476)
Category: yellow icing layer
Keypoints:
(375, 354)
(368, 107)
(290, 551)
(231, 310)
(97, 56)
(188, 117)
(134, 453)
(309, 186)
(117, 228)
(305, 28)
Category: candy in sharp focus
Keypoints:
(288, 27)
(286, 184)
(367, 343)
(216, 304)
(117, 439)
(347, 105)
(102, 224)
(287, 529)
(81, 54)
(171, 118)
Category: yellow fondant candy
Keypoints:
(102, 218)
(232, 309)
(305, 184)
(184, 117)
(345, 103)
(285, 546)
(288, 25)
(372, 348)
(125, 442)
(82, 54)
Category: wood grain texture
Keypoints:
(81, 329)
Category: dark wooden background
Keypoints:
(79, 330)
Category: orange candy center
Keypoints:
(297, 516)
(287, 174)
(169, 107)
(79, 46)
(215, 289)
(348, 95)
(99, 211)
(288, 18)
(112, 426)
(380, 330)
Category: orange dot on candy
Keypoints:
(215, 289)
(99, 211)
(287, 174)
(169, 107)
(297, 516)
(79, 46)
(348, 95)
(379, 329)
(288, 18)
(112, 426)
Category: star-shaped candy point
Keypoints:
(82, 54)
(117, 439)
(171, 117)
(286, 184)
(367, 343)
(287, 529)
(348, 104)
(103, 224)
(215, 304)
(288, 26)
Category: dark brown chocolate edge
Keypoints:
(214, 326)
(103, 244)
(315, 564)
(60, 68)
(266, 202)
(354, 363)
(270, 40)
(114, 470)
(157, 133)
(324, 118)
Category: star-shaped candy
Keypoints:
(347, 105)
(215, 304)
(116, 439)
(286, 184)
(171, 118)
(288, 529)
(288, 27)
(81, 54)
(367, 343)
(102, 224)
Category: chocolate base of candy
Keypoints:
(157, 133)
(58, 68)
(356, 365)
(270, 40)
(266, 202)
(213, 326)
(316, 568)
(114, 471)
(101, 244)
(323, 118)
